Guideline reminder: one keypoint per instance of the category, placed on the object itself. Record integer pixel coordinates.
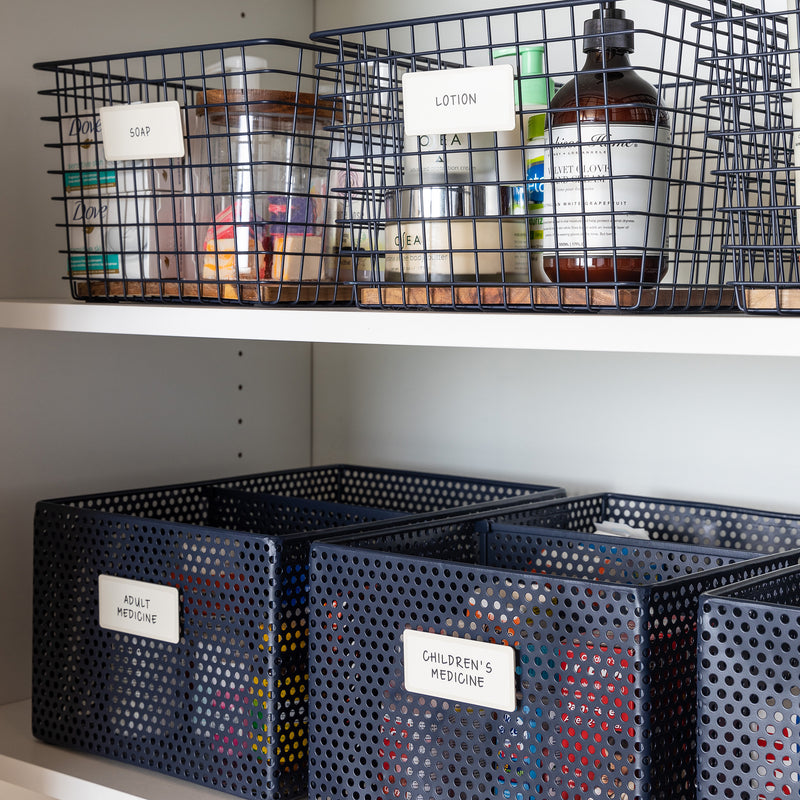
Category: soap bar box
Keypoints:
(123, 218)
(125, 237)
(86, 167)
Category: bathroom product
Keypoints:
(433, 159)
(128, 237)
(532, 94)
(605, 172)
(532, 99)
(456, 233)
(450, 121)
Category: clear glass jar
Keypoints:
(261, 190)
(457, 233)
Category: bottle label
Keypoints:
(605, 188)
(449, 157)
(459, 249)
(463, 670)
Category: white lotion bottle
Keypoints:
(520, 153)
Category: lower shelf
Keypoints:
(40, 770)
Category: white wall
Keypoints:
(332, 14)
(702, 428)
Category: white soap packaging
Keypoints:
(122, 238)
(87, 170)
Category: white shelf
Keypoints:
(53, 772)
(713, 334)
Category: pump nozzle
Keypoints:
(608, 29)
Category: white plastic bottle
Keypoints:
(517, 163)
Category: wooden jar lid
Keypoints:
(236, 102)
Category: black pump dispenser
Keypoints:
(608, 29)
(606, 130)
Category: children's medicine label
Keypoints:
(139, 608)
(459, 669)
(469, 100)
(142, 130)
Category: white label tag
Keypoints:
(138, 608)
(142, 130)
(459, 669)
(470, 100)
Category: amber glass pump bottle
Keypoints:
(607, 167)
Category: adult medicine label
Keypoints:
(472, 672)
(142, 130)
(469, 100)
(139, 608)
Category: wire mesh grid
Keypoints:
(224, 703)
(602, 196)
(245, 215)
(748, 708)
(756, 81)
(604, 634)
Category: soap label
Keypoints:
(467, 671)
(469, 100)
(142, 131)
(139, 608)
(605, 187)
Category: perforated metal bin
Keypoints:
(749, 689)
(194, 662)
(199, 174)
(603, 633)
(469, 218)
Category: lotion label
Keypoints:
(472, 672)
(139, 608)
(469, 100)
(591, 211)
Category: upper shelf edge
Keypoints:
(711, 334)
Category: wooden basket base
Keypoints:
(287, 292)
(545, 297)
(773, 299)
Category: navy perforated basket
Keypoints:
(603, 633)
(749, 689)
(689, 522)
(170, 623)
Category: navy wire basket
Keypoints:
(220, 697)
(218, 187)
(603, 629)
(748, 689)
(756, 87)
(494, 219)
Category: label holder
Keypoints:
(139, 608)
(468, 100)
(463, 670)
(139, 131)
